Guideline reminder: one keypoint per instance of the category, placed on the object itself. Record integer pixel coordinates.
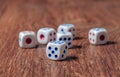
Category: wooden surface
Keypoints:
(84, 60)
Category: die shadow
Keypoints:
(40, 46)
(108, 43)
(35, 47)
(76, 47)
(111, 42)
(71, 58)
(78, 38)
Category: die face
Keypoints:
(98, 36)
(102, 38)
(64, 52)
(56, 51)
(42, 37)
(99, 30)
(66, 37)
(73, 31)
(27, 39)
(52, 35)
(92, 37)
(20, 39)
(52, 51)
(45, 35)
(67, 28)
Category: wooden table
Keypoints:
(84, 59)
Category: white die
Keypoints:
(56, 50)
(27, 39)
(67, 37)
(67, 28)
(98, 36)
(45, 35)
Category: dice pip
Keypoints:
(98, 36)
(67, 28)
(46, 35)
(66, 37)
(56, 50)
(27, 39)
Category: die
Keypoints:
(45, 35)
(66, 37)
(27, 39)
(67, 28)
(57, 50)
(98, 36)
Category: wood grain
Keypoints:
(84, 59)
